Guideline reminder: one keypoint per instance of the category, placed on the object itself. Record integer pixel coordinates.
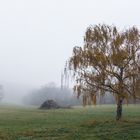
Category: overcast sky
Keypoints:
(37, 36)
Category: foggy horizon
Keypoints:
(37, 37)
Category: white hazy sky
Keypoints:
(37, 36)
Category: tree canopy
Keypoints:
(108, 62)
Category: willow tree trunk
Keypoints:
(120, 99)
(119, 109)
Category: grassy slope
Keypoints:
(91, 123)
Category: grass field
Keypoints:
(90, 123)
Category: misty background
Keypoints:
(37, 37)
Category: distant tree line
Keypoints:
(63, 97)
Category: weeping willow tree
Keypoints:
(107, 63)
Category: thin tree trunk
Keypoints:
(120, 99)
(119, 109)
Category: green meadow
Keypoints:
(78, 123)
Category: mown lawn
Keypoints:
(90, 123)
